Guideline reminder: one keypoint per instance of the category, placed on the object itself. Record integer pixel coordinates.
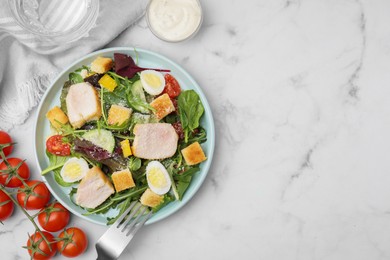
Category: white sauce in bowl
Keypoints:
(174, 20)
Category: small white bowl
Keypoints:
(162, 37)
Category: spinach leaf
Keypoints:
(75, 78)
(64, 93)
(182, 185)
(134, 163)
(56, 163)
(183, 180)
(190, 110)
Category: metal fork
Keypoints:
(111, 245)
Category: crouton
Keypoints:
(193, 154)
(151, 199)
(163, 106)
(101, 65)
(122, 180)
(57, 117)
(117, 115)
(83, 104)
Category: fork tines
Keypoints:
(128, 222)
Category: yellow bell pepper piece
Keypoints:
(126, 150)
(107, 82)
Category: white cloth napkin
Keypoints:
(26, 70)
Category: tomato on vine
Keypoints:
(72, 242)
(38, 248)
(33, 195)
(11, 170)
(6, 206)
(6, 143)
(54, 218)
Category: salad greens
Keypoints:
(75, 78)
(56, 162)
(126, 67)
(64, 93)
(99, 143)
(191, 110)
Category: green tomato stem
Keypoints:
(51, 168)
(37, 229)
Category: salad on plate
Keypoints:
(123, 133)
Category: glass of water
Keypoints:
(55, 22)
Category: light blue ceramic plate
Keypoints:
(146, 59)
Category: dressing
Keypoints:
(174, 20)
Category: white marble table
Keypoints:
(300, 93)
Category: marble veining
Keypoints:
(353, 87)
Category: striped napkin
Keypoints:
(28, 63)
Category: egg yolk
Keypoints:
(152, 80)
(157, 178)
(72, 170)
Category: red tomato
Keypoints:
(34, 196)
(54, 217)
(6, 208)
(18, 167)
(5, 139)
(36, 243)
(172, 87)
(73, 242)
(56, 145)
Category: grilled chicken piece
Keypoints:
(83, 104)
(154, 141)
(94, 189)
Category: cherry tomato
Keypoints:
(56, 145)
(33, 196)
(5, 139)
(54, 217)
(72, 242)
(172, 87)
(6, 208)
(18, 167)
(36, 244)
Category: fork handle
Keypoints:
(102, 256)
